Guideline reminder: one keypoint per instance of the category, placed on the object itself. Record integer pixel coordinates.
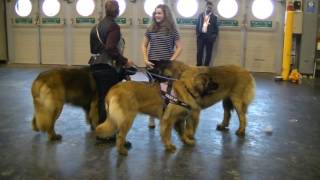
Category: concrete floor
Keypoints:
(291, 151)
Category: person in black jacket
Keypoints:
(207, 32)
(106, 56)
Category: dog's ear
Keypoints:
(210, 87)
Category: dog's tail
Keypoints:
(110, 125)
(250, 91)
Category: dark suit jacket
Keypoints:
(213, 29)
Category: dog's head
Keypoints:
(200, 85)
(172, 69)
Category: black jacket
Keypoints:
(110, 35)
(213, 29)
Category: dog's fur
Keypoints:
(126, 99)
(236, 88)
(54, 88)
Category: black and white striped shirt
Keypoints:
(161, 44)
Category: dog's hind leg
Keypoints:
(241, 111)
(45, 117)
(227, 107)
(124, 127)
(93, 114)
(52, 118)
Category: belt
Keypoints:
(95, 55)
(96, 60)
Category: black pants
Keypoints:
(105, 76)
(204, 43)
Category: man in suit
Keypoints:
(207, 32)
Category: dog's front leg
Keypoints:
(166, 125)
(192, 124)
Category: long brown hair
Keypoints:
(112, 8)
(168, 22)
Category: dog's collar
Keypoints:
(174, 100)
(167, 93)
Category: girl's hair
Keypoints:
(112, 8)
(168, 22)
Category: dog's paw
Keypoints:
(56, 137)
(170, 148)
(151, 126)
(240, 133)
(35, 128)
(188, 141)
(111, 139)
(189, 134)
(222, 128)
(123, 151)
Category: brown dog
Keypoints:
(236, 89)
(126, 99)
(54, 88)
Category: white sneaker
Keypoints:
(152, 123)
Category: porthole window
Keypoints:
(262, 9)
(227, 8)
(85, 7)
(150, 5)
(187, 8)
(23, 8)
(51, 7)
(122, 6)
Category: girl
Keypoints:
(161, 40)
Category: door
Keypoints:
(250, 34)
(52, 32)
(23, 31)
(84, 14)
(37, 31)
(264, 37)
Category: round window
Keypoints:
(262, 9)
(187, 8)
(85, 7)
(150, 5)
(23, 7)
(227, 8)
(51, 7)
(122, 6)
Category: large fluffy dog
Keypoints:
(53, 88)
(236, 89)
(126, 99)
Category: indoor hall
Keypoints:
(281, 140)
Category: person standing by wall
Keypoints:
(106, 57)
(207, 32)
(161, 40)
